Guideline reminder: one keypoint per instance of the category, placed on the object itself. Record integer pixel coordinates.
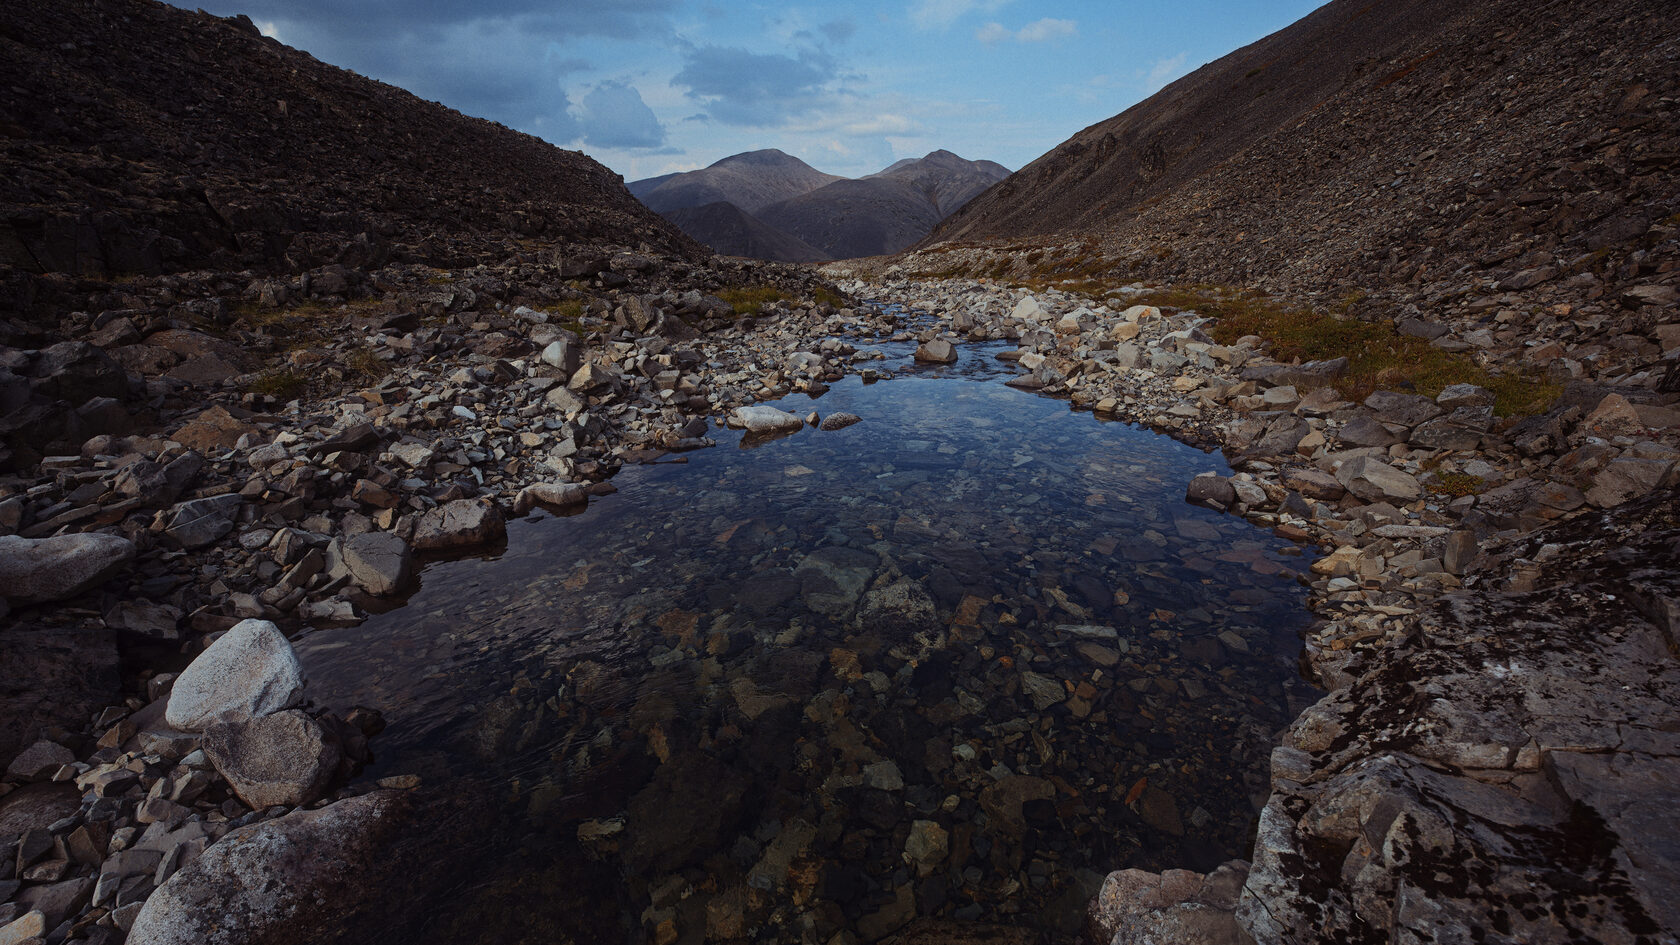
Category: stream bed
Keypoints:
(958, 660)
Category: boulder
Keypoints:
(1135, 907)
(1314, 484)
(379, 562)
(838, 421)
(557, 494)
(1210, 487)
(33, 570)
(1364, 430)
(249, 671)
(200, 522)
(284, 758)
(1375, 481)
(1403, 409)
(288, 880)
(763, 418)
(1627, 477)
(937, 351)
(1454, 396)
(463, 523)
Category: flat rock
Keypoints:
(249, 671)
(463, 523)
(287, 880)
(283, 758)
(763, 418)
(39, 761)
(937, 351)
(379, 562)
(201, 522)
(33, 570)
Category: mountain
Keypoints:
(750, 181)
(1373, 144)
(729, 230)
(812, 212)
(140, 138)
(946, 180)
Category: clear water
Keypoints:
(957, 661)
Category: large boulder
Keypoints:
(289, 880)
(1375, 481)
(937, 351)
(33, 570)
(284, 758)
(463, 523)
(200, 522)
(249, 671)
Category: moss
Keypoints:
(1378, 356)
(282, 384)
(750, 300)
(1456, 485)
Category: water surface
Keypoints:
(958, 661)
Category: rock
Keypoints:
(33, 570)
(927, 846)
(30, 925)
(379, 562)
(1313, 374)
(763, 418)
(39, 761)
(937, 351)
(200, 522)
(1403, 409)
(1042, 690)
(557, 494)
(1375, 481)
(1314, 484)
(839, 421)
(692, 804)
(1211, 487)
(463, 523)
(287, 880)
(215, 428)
(283, 758)
(159, 484)
(145, 618)
(903, 606)
(1002, 801)
(1135, 907)
(1364, 431)
(250, 671)
(1626, 478)
(564, 355)
(1454, 396)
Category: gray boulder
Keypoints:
(463, 523)
(250, 671)
(937, 351)
(1375, 481)
(763, 418)
(33, 570)
(379, 562)
(284, 758)
(1209, 487)
(287, 880)
(1404, 409)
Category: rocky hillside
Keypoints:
(732, 231)
(816, 216)
(884, 212)
(1423, 143)
(751, 181)
(137, 138)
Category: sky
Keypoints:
(650, 87)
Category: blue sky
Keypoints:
(653, 86)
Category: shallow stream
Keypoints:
(958, 660)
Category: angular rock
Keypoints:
(283, 758)
(33, 570)
(250, 671)
(1375, 481)
(1403, 409)
(937, 351)
(379, 562)
(200, 522)
(1135, 907)
(39, 761)
(1626, 478)
(1314, 484)
(1210, 487)
(287, 880)
(463, 523)
(1454, 396)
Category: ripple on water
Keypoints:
(957, 660)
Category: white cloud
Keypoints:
(1163, 71)
(883, 124)
(613, 115)
(1048, 28)
(1038, 31)
(939, 14)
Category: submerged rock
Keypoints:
(463, 523)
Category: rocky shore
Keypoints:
(165, 500)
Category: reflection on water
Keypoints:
(957, 660)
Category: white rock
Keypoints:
(250, 671)
(763, 418)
